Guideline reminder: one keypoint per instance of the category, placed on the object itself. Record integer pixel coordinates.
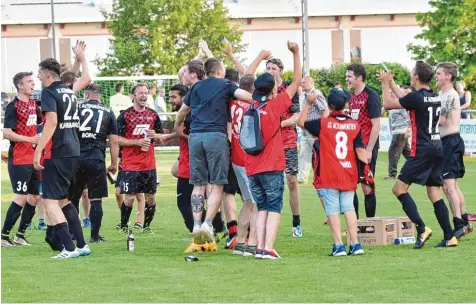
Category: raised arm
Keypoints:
(85, 80)
(229, 53)
(263, 55)
(297, 73)
(388, 84)
(311, 98)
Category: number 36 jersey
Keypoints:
(61, 100)
(424, 107)
(97, 123)
(339, 136)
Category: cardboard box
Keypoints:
(376, 232)
(405, 227)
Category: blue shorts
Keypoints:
(268, 190)
(336, 201)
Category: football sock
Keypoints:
(125, 214)
(370, 205)
(75, 203)
(356, 204)
(458, 223)
(296, 220)
(443, 217)
(149, 214)
(26, 217)
(52, 239)
(465, 219)
(411, 211)
(62, 232)
(232, 228)
(95, 215)
(13, 213)
(218, 223)
(75, 224)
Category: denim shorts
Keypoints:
(336, 201)
(209, 158)
(243, 182)
(268, 190)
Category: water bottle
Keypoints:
(146, 137)
(111, 178)
(130, 241)
(34, 145)
(404, 240)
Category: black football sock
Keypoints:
(95, 215)
(411, 211)
(52, 239)
(75, 203)
(13, 213)
(465, 219)
(75, 224)
(232, 228)
(443, 217)
(356, 204)
(370, 205)
(26, 217)
(62, 232)
(296, 220)
(458, 223)
(218, 223)
(149, 214)
(125, 214)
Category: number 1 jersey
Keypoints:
(60, 99)
(339, 136)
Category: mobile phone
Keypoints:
(385, 67)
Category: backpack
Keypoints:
(251, 139)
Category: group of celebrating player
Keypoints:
(214, 105)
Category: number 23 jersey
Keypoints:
(60, 99)
(237, 109)
(339, 136)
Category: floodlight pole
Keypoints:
(53, 27)
(305, 38)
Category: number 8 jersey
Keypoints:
(60, 99)
(339, 136)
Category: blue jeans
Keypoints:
(268, 190)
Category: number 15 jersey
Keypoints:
(60, 99)
(339, 136)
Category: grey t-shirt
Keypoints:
(399, 121)
(317, 108)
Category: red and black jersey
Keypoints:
(132, 124)
(22, 117)
(339, 136)
(363, 108)
(289, 134)
(184, 152)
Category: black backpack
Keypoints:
(251, 139)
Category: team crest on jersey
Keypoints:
(141, 129)
(31, 120)
(355, 114)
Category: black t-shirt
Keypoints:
(208, 100)
(97, 123)
(61, 100)
(424, 107)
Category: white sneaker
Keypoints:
(84, 251)
(8, 243)
(207, 233)
(21, 241)
(65, 254)
(297, 231)
(197, 235)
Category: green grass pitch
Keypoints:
(157, 271)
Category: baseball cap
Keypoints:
(337, 98)
(264, 85)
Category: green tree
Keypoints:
(449, 31)
(153, 37)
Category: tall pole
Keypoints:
(305, 38)
(53, 28)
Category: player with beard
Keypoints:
(21, 118)
(138, 127)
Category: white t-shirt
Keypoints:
(118, 103)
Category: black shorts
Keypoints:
(292, 164)
(119, 177)
(133, 182)
(373, 164)
(24, 178)
(91, 175)
(453, 152)
(59, 178)
(425, 171)
(232, 187)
